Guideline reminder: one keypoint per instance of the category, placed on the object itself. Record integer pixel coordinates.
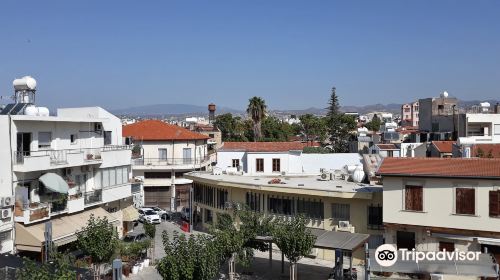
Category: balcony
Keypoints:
(32, 212)
(93, 197)
(170, 163)
(49, 159)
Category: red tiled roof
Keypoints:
(440, 167)
(264, 146)
(443, 146)
(488, 149)
(158, 130)
(387, 147)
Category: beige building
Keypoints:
(336, 204)
(166, 152)
(432, 204)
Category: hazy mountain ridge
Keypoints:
(187, 109)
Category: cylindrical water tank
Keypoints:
(43, 111)
(359, 175)
(24, 83)
(31, 110)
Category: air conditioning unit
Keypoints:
(6, 213)
(7, 201)
(344, 224)
(283, 173)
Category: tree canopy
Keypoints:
(340, 125)
(257, 110)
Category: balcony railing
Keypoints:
(39, 211)
(61, 156)
(169, 161)
(93, 197)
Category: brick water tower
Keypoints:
(211, 113)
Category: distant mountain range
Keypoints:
(187, 109)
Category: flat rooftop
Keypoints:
(288, 182)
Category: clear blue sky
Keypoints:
(122, 53)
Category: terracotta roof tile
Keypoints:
(443, 146)
(387, 147)
(263, 146)
(493, 149)
(440, 167)
(157, 130)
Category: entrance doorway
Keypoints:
(405, 240)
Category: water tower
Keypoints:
(211, 113)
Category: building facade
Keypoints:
(432, 204)
(165, 153)
(61, 169)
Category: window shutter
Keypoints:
(494, 211)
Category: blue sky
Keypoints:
(118, 54)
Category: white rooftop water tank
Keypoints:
(24, 83)
(444, 94)
(359, 175)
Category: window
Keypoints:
(446, 246)
(211, 135)
(494, 203)
(208, 216)
(44, 139)
(158, 175)
(375, 220)
(253, 201)
(73, 138)
(497, 129)
(107, 137)
(276, 165)
(414, 198)
(341, 212)
(162, 154)
(280, 205)
(236, 162)
(259, 165)
(465, 199)
(405, 240)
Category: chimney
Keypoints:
(211, 113)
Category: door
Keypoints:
(405, 240)
(186, 155)
(157, 196)
(23, 145)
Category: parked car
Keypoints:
(164, 214)
(185, 213)
(134, 237)
(148, 215)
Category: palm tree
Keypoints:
(257, 110)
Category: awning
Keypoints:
(54, 182)
(64, 229)
(130, 214)
(332, 240)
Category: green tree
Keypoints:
(99, 240)
(150, 230)
(294, 239)
(313, 127)
(340, 125)
(58, 269)
(232, 128)
(374, 124)
(257, 110)
(274, 129)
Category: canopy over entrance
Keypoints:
(64, 229)
(332, 240)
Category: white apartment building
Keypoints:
(432, 204)
(162, 154)
(62, 169)
(271, 158)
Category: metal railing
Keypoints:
(169, 161)
(93, 197)
(61, 156)
(38, 212)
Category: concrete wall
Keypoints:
(439, 203)
(174, 148)
(6, 225)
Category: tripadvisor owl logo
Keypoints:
(386, 255)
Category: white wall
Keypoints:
(6, 225)
(439, 203)
(174, 148)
